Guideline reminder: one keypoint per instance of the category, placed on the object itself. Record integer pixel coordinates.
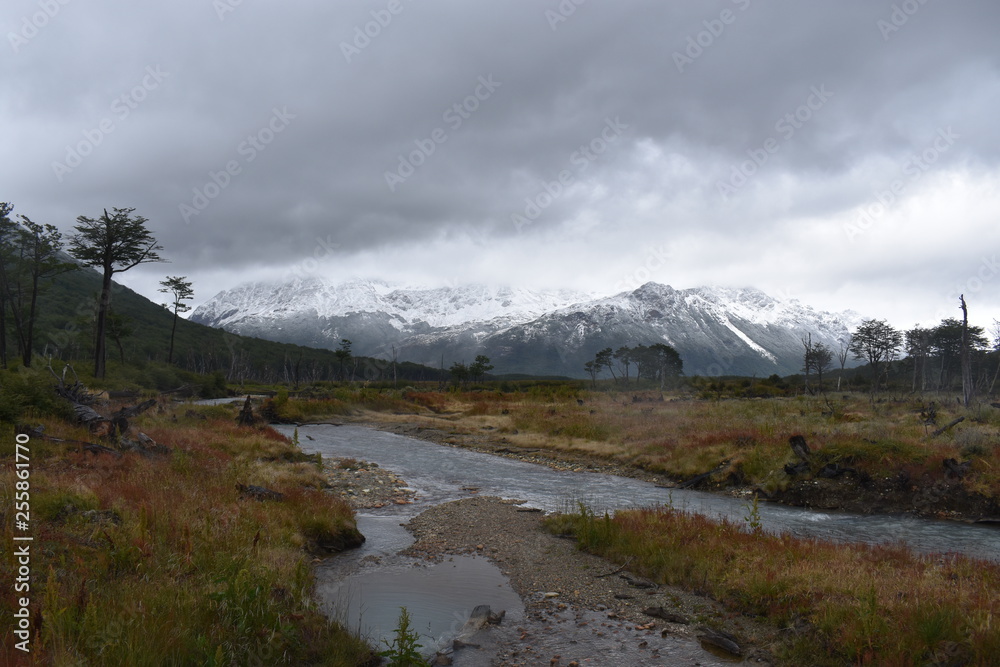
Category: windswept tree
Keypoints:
(668, 363)
(115, 243)
(624, 356)
(877, 342)
(480, 367)
(603, 359)
(180, 290)
(592, 369)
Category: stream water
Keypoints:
(366, 586)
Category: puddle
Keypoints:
(439, 597)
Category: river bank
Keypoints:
(579, 606)
(899, 492)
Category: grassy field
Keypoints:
(158, 560)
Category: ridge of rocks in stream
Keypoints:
(364, 485)
(560, 584)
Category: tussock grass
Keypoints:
(851, 604)
(175, 567)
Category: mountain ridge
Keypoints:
(717, 330)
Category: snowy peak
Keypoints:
(717, 330)
(434, 307)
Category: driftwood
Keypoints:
(638, 582)
(666, 615)
(114, 429)
(624, 565)
(947, 426)
(956, 469)
(698, 479)
(799, 468)
(37, 434)
(719, 639)
(799, 446)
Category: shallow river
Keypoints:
(367, 586)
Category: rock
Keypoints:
(718, 639)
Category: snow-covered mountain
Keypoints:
(717, 331)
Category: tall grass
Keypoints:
(174, 567)
(861, 604)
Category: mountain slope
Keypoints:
(717, 331)
(65, 330)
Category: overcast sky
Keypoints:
(844, 153)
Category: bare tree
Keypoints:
(967, 387)
(845, 349)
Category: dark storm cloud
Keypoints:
(257, 134)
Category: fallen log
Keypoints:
(698, 479)
(947, 426)
(666, 615)
(92, 447)
(719, 639)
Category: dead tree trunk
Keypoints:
(967, 385)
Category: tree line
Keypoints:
(936, 356)
(656, 362)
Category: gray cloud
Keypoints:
(817, 106)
